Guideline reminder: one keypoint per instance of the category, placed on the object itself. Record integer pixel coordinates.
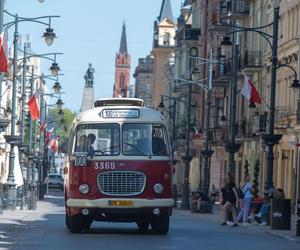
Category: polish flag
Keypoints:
(53, 144)
(48, 134)
(3, 51)
(43, 126)
(34, 107)
(249, 91)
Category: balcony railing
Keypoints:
(241, 8)
(218, 136)
(246, 129)
(188, 34)
(217, 16)
(253, 59)
(223, 67)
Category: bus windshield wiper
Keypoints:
(138, 149)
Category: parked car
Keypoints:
(55, 181)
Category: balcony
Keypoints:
(187, 34)
(217, 16)
(253, 59)
(223, 68)
(283, 115)
(242, 9)
(218, 136)
(246, 129)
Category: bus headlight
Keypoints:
(158, 188)
(84, 188)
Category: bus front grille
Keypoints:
(121, 182)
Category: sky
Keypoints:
(89, 32)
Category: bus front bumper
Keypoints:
(119, 203)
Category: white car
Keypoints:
(55, 181)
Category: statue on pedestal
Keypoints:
(89, 76)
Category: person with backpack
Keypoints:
(246, 196)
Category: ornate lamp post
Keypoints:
(13, 139)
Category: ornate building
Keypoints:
(122, 68)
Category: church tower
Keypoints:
(163, 46)
(122, 68)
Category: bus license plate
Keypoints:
(120, 203)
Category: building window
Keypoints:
(167, 39)
(193, 58)
(122, 81)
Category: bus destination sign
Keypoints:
(120, 113)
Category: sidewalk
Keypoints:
(217, 217)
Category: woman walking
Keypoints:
(246, 188)
(228, 199)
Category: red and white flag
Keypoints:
(3, 51)
(43, 126)
(53, 144)
(34, 107)
(249, 91)
(48, 134)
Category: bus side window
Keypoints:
(158, 146)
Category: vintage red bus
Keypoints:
(119, 167)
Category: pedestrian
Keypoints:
(263, 216)
(246, 188)
(228, 199)
(46, 185)
(213, 194)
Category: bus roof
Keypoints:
(119, 102)
(110, 111)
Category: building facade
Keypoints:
(144, 80)
(163, 46)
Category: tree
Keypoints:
(61, 120)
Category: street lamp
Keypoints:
(207, 152)
(54, 69)
(59, 103)
(56, 87)
(49, 36)
(13, 139)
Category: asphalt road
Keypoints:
(45, 229)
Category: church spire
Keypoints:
(166, 11)
(123, 43)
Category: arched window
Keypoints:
(167, 39)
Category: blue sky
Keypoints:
(90, 31)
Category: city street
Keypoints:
(45, 229)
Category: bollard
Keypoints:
(298, 219)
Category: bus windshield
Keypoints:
(144, 139)
(98, 139)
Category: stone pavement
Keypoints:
(13, 223)
(217, 217)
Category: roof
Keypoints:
(119, 101)
(166, 11)
(123, 43)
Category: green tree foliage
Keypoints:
(61, 121)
